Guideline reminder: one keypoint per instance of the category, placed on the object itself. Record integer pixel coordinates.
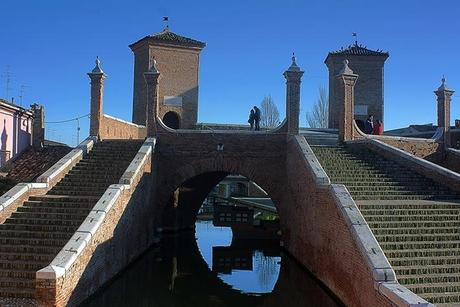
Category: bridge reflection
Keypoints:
(175, 274)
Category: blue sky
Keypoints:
(50, 45)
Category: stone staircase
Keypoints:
(415, 220)
(37, 231)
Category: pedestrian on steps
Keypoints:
(378, 127)
(369, 125)
(251, 118)
(257, 118)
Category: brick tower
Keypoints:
(177, 59)
(366, 63)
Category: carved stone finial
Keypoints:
(346, 70)
(97, 68)
(443, 86)
(294, 66)
(153, 66)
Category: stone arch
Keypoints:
(204, 174)
(172, 120)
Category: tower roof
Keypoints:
(359, 50)
(168, 37)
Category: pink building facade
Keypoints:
(16, 130)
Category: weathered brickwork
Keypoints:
(113, 128)
(425, 149)
(179, 67)
(452, 160)
(369, 86)
(92, 267)
(315, 228)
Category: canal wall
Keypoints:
(325, 231)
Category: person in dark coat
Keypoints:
(251, 118)
(257, 118)
(369, 125)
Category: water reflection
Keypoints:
(251, 266)
(176, 274)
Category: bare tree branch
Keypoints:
(269, 117)
(318, 117)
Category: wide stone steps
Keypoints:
(33, 235)
(46, 209)
(419, 245)
(406, 261)
(396, 218)
(421, 230)
(27, 257)
(419, 233)
(427, 252)
(407, 205)
(417, 237)
(410, 211)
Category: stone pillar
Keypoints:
(444, 95)
(293, 75)
(38, 127)
(151, 78)
(97, 77)
(346, 98)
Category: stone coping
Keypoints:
(320, 176)
(124, 121)
(453, 151)
(81, 239)
(384, 277)
(68, 160)
(17, 192)
(209, 130)
(396, 138)
(425, 165)
(47, 179)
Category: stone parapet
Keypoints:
(81, 267)
(430, 149)
(424, 167)
(115, 128)
(328, 222)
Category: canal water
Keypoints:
(211, 268)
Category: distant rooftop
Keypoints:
(356, 49)
(168, 37)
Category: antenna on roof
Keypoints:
(21, 93)
(355, 35)
(166, 21)
(7, 75)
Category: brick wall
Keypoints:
(452, 160)
(114, 128)
(107, 249)
(368, 88)
(178, 67)
(316, 234)
(429, 150)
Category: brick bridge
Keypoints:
(98, 208)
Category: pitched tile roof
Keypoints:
(356, 49)
(168, 37)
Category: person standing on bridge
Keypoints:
(369, 125)
(257, 118)
(251, 119)
(378, 127)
